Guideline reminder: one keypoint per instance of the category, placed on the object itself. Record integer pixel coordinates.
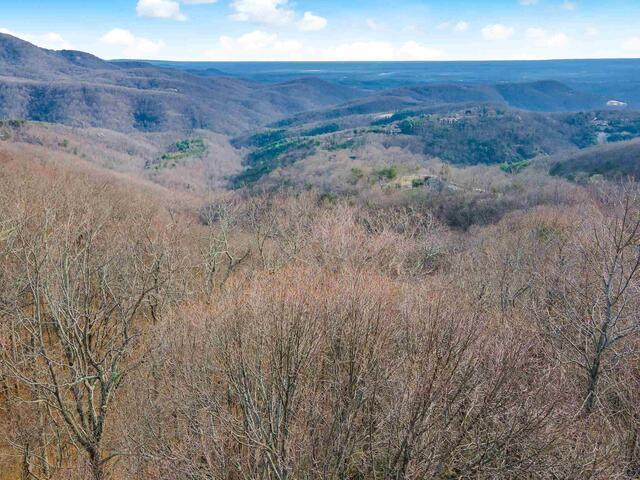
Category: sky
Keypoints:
(330, 30)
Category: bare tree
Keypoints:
(77, 317)
(222, 252)
(594, 292)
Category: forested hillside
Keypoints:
(155, 335)
(207, 277)
(77, 89)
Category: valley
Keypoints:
(130, 115)
(300, 270)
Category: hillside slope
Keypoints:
(460, 134)
(539, 96)
(78, 89)
(159, 156)
(612, 161)
(23, 60)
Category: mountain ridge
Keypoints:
(79, 89)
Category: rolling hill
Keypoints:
(78, 89)
(612, 161)
(460, 134)
(174, 125)
(156, 156)
(539, 96)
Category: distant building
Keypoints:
(616, 103)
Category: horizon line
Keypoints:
(378, 61)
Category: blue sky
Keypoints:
(330, 29)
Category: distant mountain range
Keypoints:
(79, 89)
(616, 79)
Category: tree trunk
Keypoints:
(97, 468)
(26, 464)
(592, 386)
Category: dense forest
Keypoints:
(295, 334)
(206, 277)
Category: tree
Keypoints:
(593, 295)
(221, 255)
(82, 293)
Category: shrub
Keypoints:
(387, 173)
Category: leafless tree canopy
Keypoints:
(298, 336)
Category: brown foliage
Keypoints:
(292, 335)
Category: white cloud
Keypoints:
(364, 50)
(169, 9)
(415, 51)
(592, 32)
(253, 40)
(269, 12)
(132, 46)
(311, 22)
(528, 3)
(160, 9)
(375, 50)
(458, 27)
(257, 45)
(49, 40)
(543, 38)
(568, 5)
(461, 27)
(497, 32)
(413, 28)
(632, 44)
(261, 45)
(374, 25)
